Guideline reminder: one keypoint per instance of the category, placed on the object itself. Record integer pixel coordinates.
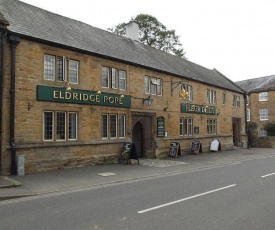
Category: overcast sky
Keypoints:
(237, 37)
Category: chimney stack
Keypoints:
(132, 30)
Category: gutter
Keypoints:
(14, 40)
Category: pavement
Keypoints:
(98, 175)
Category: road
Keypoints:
(237, 196)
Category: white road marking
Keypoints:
(268, 175)
(184, 199)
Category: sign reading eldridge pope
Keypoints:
(200, 109)
(77, 96)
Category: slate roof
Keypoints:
(260, 84)
(34, 23)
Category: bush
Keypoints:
(270, 128)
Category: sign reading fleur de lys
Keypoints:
(200, 109)
(77, 96)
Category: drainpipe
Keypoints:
(14, 40)
(245, 114)
(3, 33)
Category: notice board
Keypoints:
(128, 152)
(174, 149)
(195, 147)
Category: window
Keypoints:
(56, 124)
(186, 126)
(211, 96)
(223, 98)
(211, 126)
(246, 99)
(112, 126)
(60, 69)
(263, 133)
(248, 114)
(236, 101)
(152, 85)
(115, 76)
(263, 114)
(263, 96)
(189, 90)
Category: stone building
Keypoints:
(260, 101)
(72, 94)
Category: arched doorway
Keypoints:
(138, 138)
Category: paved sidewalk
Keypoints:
(66, 179)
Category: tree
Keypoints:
(153, 33)
(270, 128)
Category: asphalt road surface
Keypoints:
(240, 196)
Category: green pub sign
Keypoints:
(77, 96)
(199, 109)
(161, 126)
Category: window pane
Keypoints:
(263, 114)
(60, 69)
(122, 80)
(113, 126)
(181, 126)
(72, 126)
(159, 87)
(73, 71)
(263, 96)
(48, 125)
(114, 78)
(60, 125)
(49, 66)
(105, 77)
(153, 86)
(104, 126)
(121, 124)
(147, 83)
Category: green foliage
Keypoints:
(154, 33)
(270, 128)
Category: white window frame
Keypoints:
(263, 96)
(236, 101)
(66, 69)
(211, 96)
(107, 125)
(186, 126)
(247, 114)
(263, 132)
(223, 98)
(152, 85)
(105, 71)
(263, 114)
(67, 126)
(49, 67)
(211, 126)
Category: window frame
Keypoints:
(263, 96)
(211, 126)
(189, 90)
(211, 96)
(113, 128)
(113, 78)
(248, 115)
(61, 69)
(186, 126)
(263, 114)
(153, 85)
(55, 128)
(236, 101)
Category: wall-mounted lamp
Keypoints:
(147, 101)
(97, 90)
(93, 110)
(67, 85)
(166, 106)
(121, 95)
(29, 106)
